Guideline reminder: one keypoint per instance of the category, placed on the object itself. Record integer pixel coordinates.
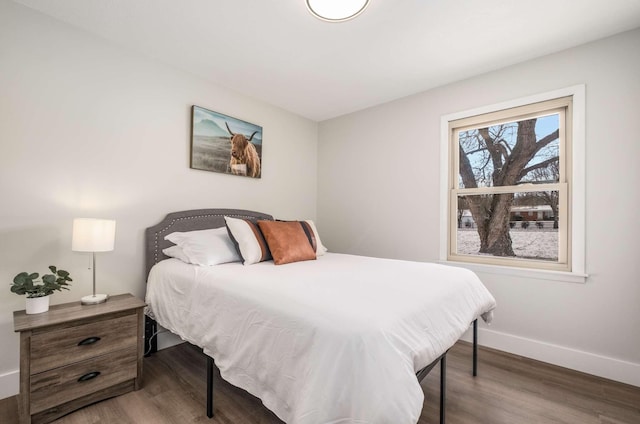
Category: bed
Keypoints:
(339, 339)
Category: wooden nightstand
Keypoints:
(74, 355)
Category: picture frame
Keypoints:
(221, 143)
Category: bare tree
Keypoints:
(550, 173)
(500, 155)
(462, 205)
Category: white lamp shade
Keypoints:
(93, 235)
(336, 10)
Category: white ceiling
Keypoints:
(278, 52)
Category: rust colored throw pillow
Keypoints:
(287, 241)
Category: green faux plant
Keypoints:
(27, 284)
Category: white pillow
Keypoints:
(206, 247)
(176, 252)
(320, 249)
(249, 240)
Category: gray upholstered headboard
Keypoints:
(197, 219)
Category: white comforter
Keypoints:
(336, 340)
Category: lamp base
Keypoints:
(94, 299)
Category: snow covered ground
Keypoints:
(529, 244)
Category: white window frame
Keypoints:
(576, 199)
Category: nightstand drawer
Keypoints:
(64, 384)
(54, 348)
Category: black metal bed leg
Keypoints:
(475, 347)
(443, 380)
(209, 386)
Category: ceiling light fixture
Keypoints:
(336, 10)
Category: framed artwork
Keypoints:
(220, 143)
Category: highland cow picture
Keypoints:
(220, 143)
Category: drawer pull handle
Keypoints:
(89, 376)
(88, 341)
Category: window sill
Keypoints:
(539, 274)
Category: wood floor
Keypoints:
(508, 390)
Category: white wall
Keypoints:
(91, 129)
(378, 185)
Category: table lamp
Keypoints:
(93, 235)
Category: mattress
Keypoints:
(335, 340)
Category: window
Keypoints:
(511, 198)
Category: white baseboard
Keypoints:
(9, 384)
(601, 366)
(167, 339)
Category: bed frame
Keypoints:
(201, 219)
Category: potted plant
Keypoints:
(38, 292)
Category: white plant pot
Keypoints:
(37, 305)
